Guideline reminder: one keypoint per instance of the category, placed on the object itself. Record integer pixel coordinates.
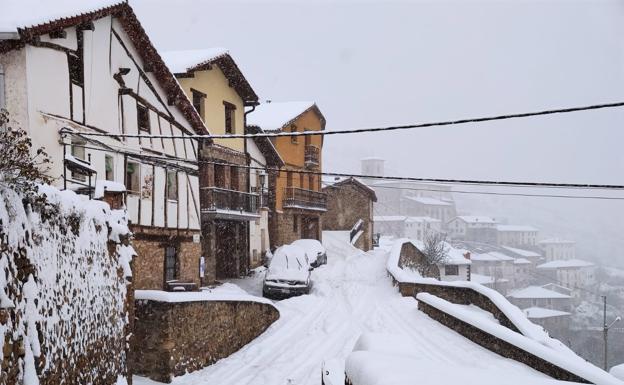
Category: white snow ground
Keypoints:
(351, 294)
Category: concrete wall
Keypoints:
(174, 338)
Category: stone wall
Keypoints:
(149, 265)
(174, 338)
(346, 204)
(498, 345)
(64, 296)
(282, 229)
(459, 295)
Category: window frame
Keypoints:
(112, 165)
(129, 188)
(451, 270)
(169, 186)
(167, 268)
(229, 117)
(75, 143)
(141, 109)
(198, 100)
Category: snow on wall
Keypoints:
(63, 289)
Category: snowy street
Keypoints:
(351, 295)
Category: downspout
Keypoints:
(248, 177)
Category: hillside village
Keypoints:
(179, 214)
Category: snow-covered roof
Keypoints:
(456, 256)
(523, 252)
(482, 279)
(29, 13)
(389, 218)
(102, 186)
(429, 201)
(491, 256)
(422, 219)
(476, 219)
(521, 261)
(183, 60)
(536, 292)
(563, 263)
(514, 228)
(540, 313)
(556, 241)
(274, 116)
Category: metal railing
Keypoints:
(312, 155)
(223, 199)
(298, 197)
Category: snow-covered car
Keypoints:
(315, 251)
(288, 273)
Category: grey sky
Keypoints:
(381, 63)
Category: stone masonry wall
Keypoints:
(347, 204)
(459, 295)
(174, 338)
(283, 232)
(64, 310)
(498, 345)
(149, 265)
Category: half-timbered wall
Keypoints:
(54, 101)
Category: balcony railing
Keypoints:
(229, 202)
(295, 197)
(312, 155)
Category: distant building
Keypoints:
(523, 272)
(442, 210)
(536, 296)
(419, 227)
(350, 208)
(390, 225)
(496, 265)
(574, 274)
(551, 320)
(456, 266)
(516, 235)
(533, 256)
(473, 228)
(558, 248)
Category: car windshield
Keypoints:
(289, 258)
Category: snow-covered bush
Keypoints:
(63, 288)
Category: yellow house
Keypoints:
(298, 201)
(219, 92)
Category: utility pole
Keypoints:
(605, 331)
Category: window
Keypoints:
(451, 270)
(293, 128)
(78, 152)
(171, 262)
(289, 179)
(234, 178)
(172, 185)
(311, 181)
(2, 97)
(229, 117)
(301, 180)
(295, 224)
(109, 168)
(143, 121)
(132, 177)
(76, 68)
(198, 102)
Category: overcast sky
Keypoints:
(382, 63)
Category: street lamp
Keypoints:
(605, 332)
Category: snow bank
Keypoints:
(62, 289)
(225, 292)
(618, 372)
(570, 362)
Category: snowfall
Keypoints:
(354, 304)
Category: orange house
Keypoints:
(297, 201)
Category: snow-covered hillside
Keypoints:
(352, 295)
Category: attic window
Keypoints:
(198, 102)
(229, 117)
(143, 121)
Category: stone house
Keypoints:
(455, 267)
(299, 204)
(350, 208)
(473, 228)
(76, 84)
(229, 206)
(516, 235)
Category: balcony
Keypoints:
(299, 198)
(220, 203)
(312, 156)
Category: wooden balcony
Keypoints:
(312, 156)
(299, 198)
(220, 203)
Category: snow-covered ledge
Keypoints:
(225, 292)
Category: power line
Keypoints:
(373, 129)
